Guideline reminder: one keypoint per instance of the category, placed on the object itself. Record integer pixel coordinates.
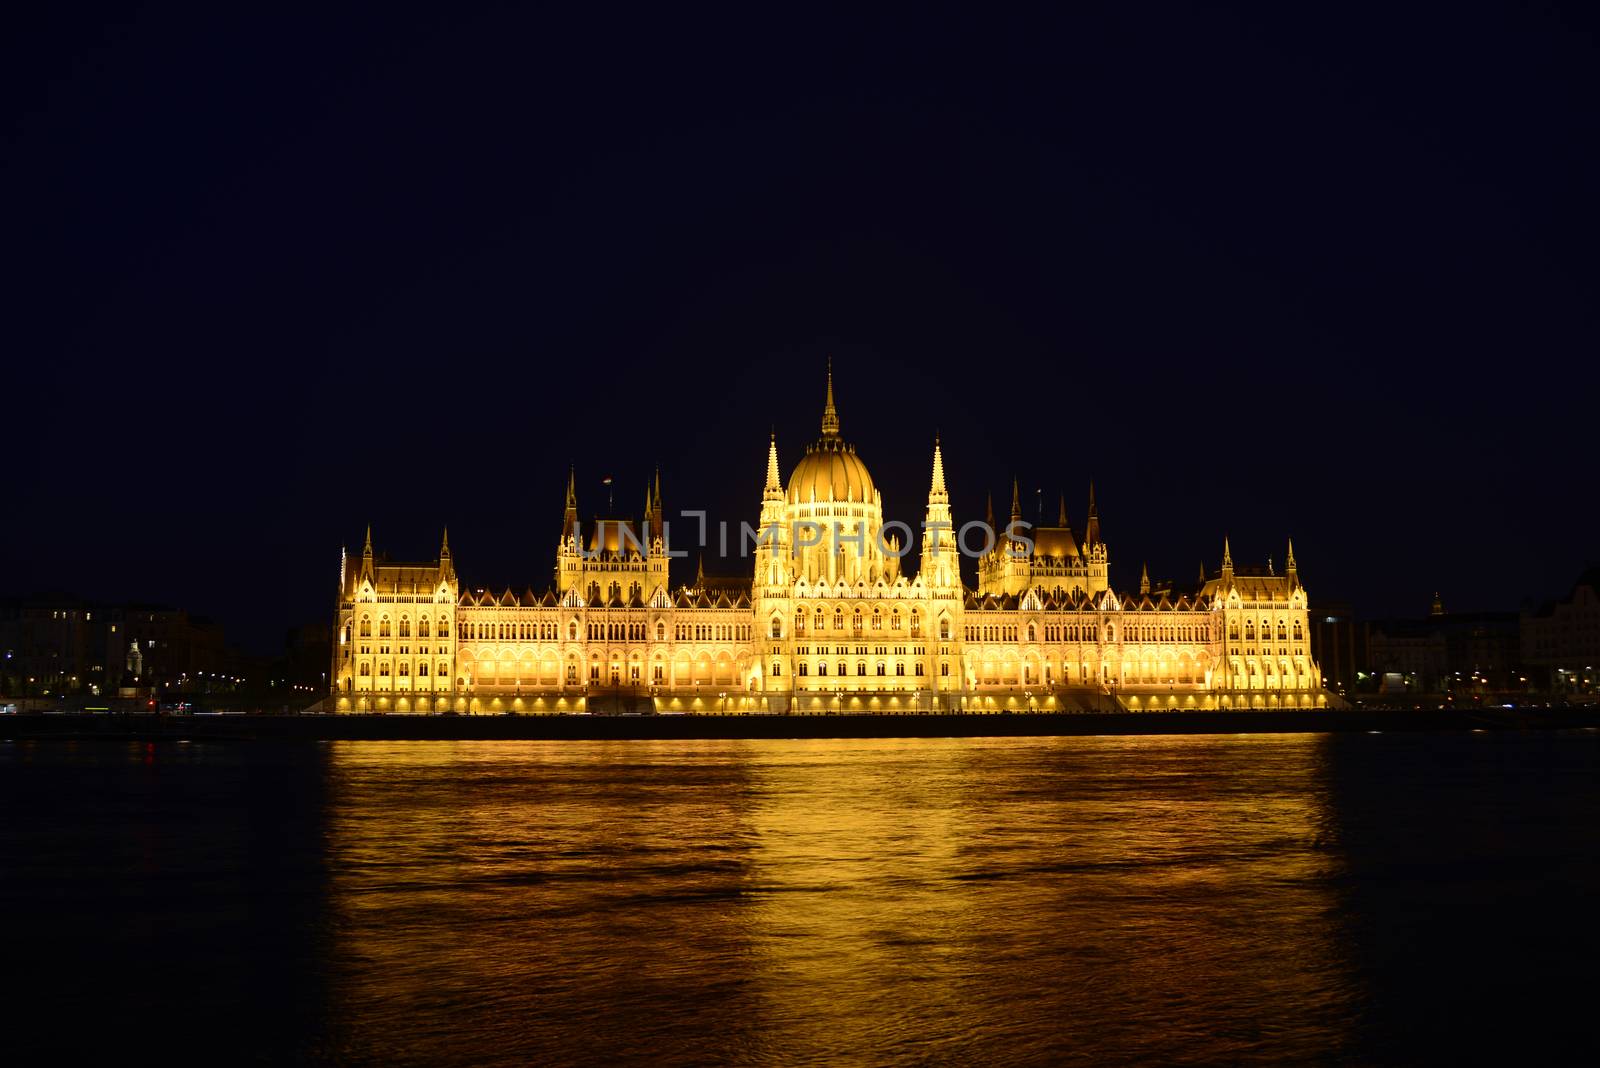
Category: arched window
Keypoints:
(894, 620)
(861, 667)
(822, 667)
(777, 669)
(444, 670)
(1032, 634)
(405, 669)
(572, 631)
(366, 669)
(944, 629)
(838, 619)
(777, 627)
(422, 627)
(383, 627)
(801, 669)
(882, 668)
(444, 627)
(422, 670)
(405, 626)
(916, 624)
(366, 626)
(661, 631)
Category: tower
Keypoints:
(940, 567)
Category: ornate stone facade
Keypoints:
(829, 620)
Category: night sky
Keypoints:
(1324, 273)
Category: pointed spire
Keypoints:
(700, 570)
(444, 546)
(367, 551)
(569, 518)
(1144, 578)
(774, 480)
(1202, 572)
(938, 470)
(830, 415)
(1227, 556)
(988, 511)
(1061, 515)
(1016, 501)
(1438, 605)
(1091, 525)
(1289, 565)
(657, 501)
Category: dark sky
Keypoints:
(1326, 272)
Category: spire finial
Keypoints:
(1289, 564)
(368, 550)
(1016, 500)
(830, 414)
(1227, 554)
(1144, 578)
(444, 547)
(1061, 513)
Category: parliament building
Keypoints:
(830, 619)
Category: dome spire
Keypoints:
(830, 415)
(938, 470)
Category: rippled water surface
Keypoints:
(1362, 899)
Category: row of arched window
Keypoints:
(1266, 630)
(386, 630)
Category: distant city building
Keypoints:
(824, 622)
(1446, 652)
(1339, 647)
(1563, 637)
(56, 644)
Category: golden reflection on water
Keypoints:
(876, 901)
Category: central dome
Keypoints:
(830, 470)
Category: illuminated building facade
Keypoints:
(829, 620)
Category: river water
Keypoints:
(1369, 899)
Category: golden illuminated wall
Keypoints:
(395, 635)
